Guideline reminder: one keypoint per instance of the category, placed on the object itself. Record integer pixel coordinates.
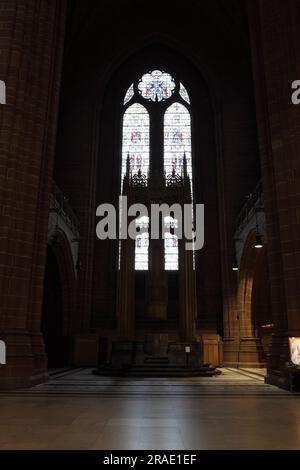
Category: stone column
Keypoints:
(126, 275)
(125, 294)
(157, 287)
(188, 302)
(31, 38)
(187, 274)
(275, 44)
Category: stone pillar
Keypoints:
(188, 299)
(31, 38)
(275, 44)
(157, 287)
(125, 293)
(187, 274)
(227, 258)
(126, 275)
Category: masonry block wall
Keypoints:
(275, 39)
(31, 48)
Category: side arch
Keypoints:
(250, 347)
(63, 253)
(59, 302)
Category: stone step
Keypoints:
(158, 370)
(156, 360)
(142, 372)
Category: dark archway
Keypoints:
(58, 301)
(52, 313)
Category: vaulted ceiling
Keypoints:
(228, 17)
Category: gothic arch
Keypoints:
(62, 251)
(250, 349)
(59, 300)
(262, 317)
(163, 41)
(204, 149)
(245, 284)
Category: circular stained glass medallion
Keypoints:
(156, 85)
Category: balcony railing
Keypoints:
(61, 206)
(254, 201)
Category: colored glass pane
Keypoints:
(135, 140)
(156, 86)
(129, 94)
(171, 252)
(184, 94)
(142, 246)
(177, 139)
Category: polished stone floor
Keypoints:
(76, 410)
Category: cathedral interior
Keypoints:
(123, 343)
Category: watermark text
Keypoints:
(185, 222)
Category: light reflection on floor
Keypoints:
(77, 410)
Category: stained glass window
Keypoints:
(142, 246)
(184, 94)
(135, 140)
(156, 86)
(129, 94)
(177, 139)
